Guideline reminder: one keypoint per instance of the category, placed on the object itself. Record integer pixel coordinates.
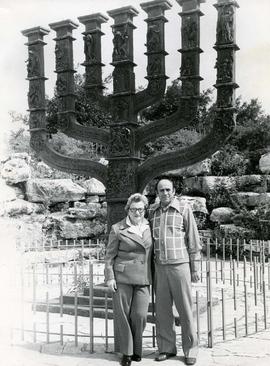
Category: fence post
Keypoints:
(61, 304)
(255, 293)
(106, 321)
(223, 314)
(47, 306)
(209, 298)
(235, 301)
(75, 304)
(91, 305)
(34, 302)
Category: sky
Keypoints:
(252, 34)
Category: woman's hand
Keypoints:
(112, 285)
(195, 277)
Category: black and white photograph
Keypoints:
(135, 182)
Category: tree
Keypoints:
(248, 142)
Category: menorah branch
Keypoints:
(190, 66)
(223, 126)
(224, 121)
(155, 43)
(72, 165)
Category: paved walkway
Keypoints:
(249, 351)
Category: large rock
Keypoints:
(200, 168)
(73, 229)
(93, 187)
(207, 184)
(43, 170)
(23, 155)
(264, 163)
(87, 211)
(7, 193)
(198, 204)
(20, 207)
(222, 215)
(54, 190)
(16, 171)
(251, 183)
(251, 199)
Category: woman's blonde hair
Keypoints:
(136, 197)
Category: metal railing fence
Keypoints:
(63, 297)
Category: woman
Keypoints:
(128, 275)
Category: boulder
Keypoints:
(207, 183)
(200, 168)
(264, 163)
(222, 215)
(252, 183)
(93, 187)
(89, 211)
(43, 170)
(198, 204)
(20, 207)
(24, 156)
(19, 191)
(74, 229)
(16, 171)
(251, 199)
(92, 199)
(54, 190)
(7, 193)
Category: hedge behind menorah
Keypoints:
(126, 173)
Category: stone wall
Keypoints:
(75, 209)
(51, 209)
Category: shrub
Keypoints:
(229, 161)
(220, 196)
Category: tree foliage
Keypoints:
(88, 112)
(250, 139)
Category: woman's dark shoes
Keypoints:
(164, 356)
(126, 360)
(190, 360)
(136, 358)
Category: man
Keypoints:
(177, 254)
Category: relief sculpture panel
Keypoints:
(153, 38)
(189, 32)
(225, 31)
(33, 63)
(121, 143)
(120, 44)
(90, 48)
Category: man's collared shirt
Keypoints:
(175, 233)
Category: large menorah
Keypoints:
(126, 172)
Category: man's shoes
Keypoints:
(190, 360)
(164, 356)
(126, 360)
(136, 358)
